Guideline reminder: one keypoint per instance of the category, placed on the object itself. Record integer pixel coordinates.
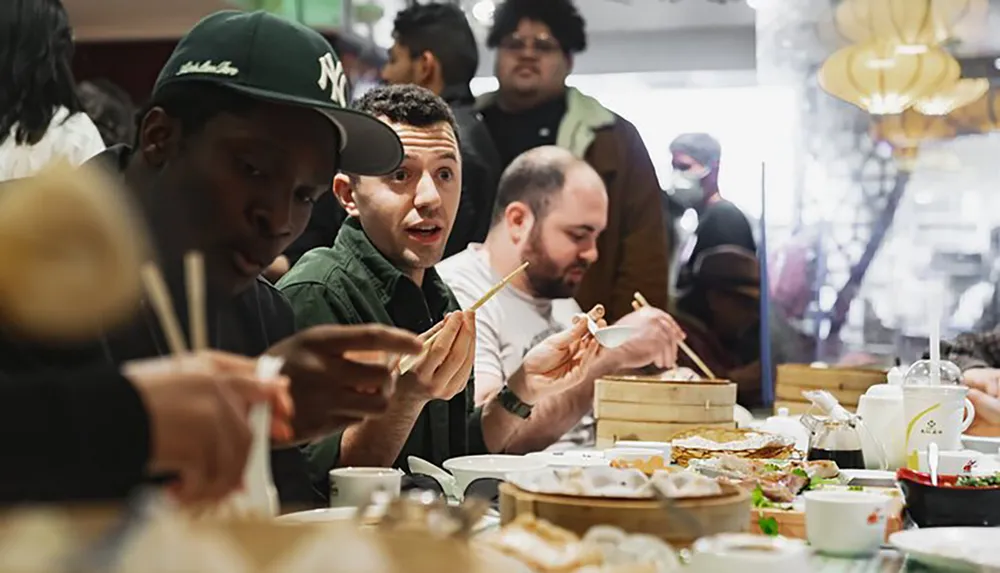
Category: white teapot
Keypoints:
(881, 409)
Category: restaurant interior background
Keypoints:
(867, 216)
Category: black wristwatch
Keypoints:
(513, 404)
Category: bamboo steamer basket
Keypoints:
(646, 408)
(847, 385)
(683, 456)
(792, 523)
(611, 431)
(681, 525)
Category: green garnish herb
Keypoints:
(772, 468)
(800, 472)
(855, 488)
(759, 500)
(818, 483)
(978, 481)
(768, 526)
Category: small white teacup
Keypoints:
(846, 523)
(353, 487)
(952, 463)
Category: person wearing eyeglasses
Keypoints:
(536, 45)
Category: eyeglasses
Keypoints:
(541, 44)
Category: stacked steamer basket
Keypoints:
(846, 384)
(645, 408)
(679, 522)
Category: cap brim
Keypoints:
(367, 145)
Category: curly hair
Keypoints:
(407, 104)
(36, 54)
(561, 16)
(442, 30)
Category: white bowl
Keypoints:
(467, 469)
(571, 458)
(982, 444)
(749, 554)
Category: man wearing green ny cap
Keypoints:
(246, 128)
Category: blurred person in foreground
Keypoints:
(41, 117)
(435, 48)
(695, 185)
(536, 44)
(721, 316)
(550, 209)
(246, 127)
(381, 269)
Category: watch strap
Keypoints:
(510, 402)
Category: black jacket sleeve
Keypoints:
(83, 436)
(324, 224)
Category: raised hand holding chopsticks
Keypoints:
(641, 302)
(408, 362)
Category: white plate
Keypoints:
(571, 458)
(875, 475)
(952, 548)
(323, 515)
(981, 444)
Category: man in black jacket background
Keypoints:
(435, 49)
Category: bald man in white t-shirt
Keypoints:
(551, 207)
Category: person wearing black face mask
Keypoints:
(720, 314)
(694, 184)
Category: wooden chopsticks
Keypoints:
(163, 305)
(639, 302)
(409, 362)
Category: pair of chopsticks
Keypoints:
(409, 362)
(163, 306)
(639, 302)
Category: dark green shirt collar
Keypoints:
(383, 276)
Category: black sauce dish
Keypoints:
(947, 504)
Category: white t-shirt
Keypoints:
(511, 323)
(75, 139)
(507, 326)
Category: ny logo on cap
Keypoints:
(331, 75)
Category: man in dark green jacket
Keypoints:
(381, 269)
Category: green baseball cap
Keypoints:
(276, 60)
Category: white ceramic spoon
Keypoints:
(445, 479)
(610, 336)
(260, 496)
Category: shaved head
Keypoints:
(535, 177)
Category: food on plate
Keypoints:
(547, 548)
(647, 466)
(542, 546)
(680, 373)
(776, 481)
(686, 484)
(596, 481)
(709, 442)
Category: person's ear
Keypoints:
(343, 190)
(519, 220)
(425, 68)
(159, 137)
